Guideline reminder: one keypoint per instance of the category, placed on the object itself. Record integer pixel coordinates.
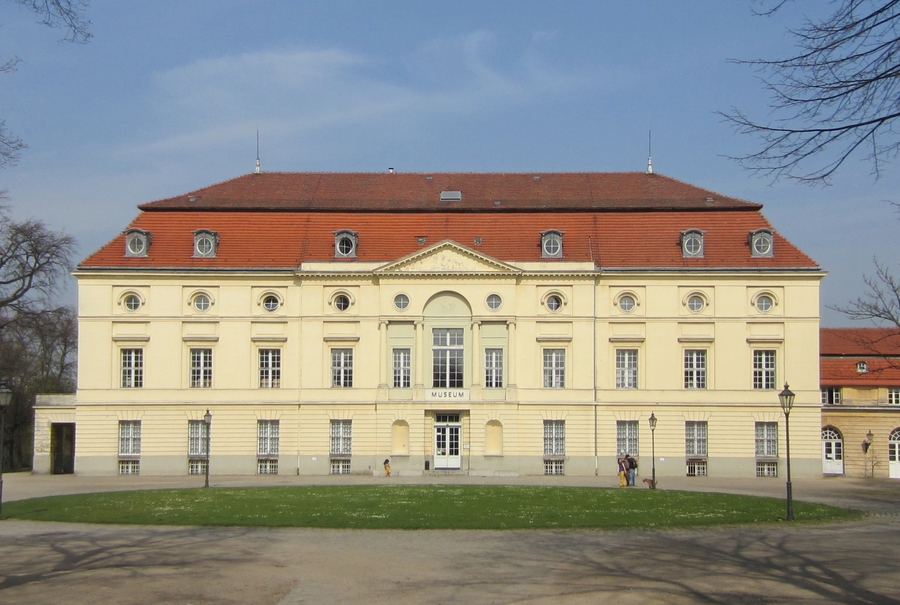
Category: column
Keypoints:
(476, 353)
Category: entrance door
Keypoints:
(894, 454)
(446, 441)
(62, 448)
(832, 451)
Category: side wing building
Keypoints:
(490, 324)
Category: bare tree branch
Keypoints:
(837, 98)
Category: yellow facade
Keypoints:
(501, 430)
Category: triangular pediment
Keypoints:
(447, 257)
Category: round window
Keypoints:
(136, 245)
(271, 302)
(764, 303)
(345, 246)
(762, 244)
(401, 301)
(693, 245)
(204, 246)
(341, 302)
(696, 303)
(201, 302)
(554, 302)
(551, 246)
(494, 301)
(626, 303)
(132, 302)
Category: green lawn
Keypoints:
(419, 507)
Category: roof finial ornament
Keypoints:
(257, 152)
(650, 152)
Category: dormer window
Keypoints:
(692, 243)
(862, 367)
(551, 244)
(761, 242)
(137, 242)
(345, 244)
(205, 243)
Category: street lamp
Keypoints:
(207, 418)
(653, 450)
(786, 398)
(5, 396)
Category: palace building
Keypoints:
(489, 324)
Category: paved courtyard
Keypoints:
(91, 564)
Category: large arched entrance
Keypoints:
(832, 451)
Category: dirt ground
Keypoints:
(92, 564)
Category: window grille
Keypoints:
(340, 466)
(554, 467)
(197, 433)
(267, 437)
(129, 467)
(197, 467)
(129, 437)
(696, 468)
(267, 466)
(341, 437)
(766, 469)
(627, 437)
(767, 439)
(695, 438)
(554, 437)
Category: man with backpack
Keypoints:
(631, 466)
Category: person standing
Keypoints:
(632, 469)
(622, 472)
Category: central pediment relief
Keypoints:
(447, 257)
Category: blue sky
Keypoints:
(168, 95)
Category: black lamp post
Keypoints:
(5, 396)
(653, 450)
(207, 418)
(786, 398)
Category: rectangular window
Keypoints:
(198, 431)
(554, 437)
(626, 368)
(766, 439)
(695, 438)
(129, 467)
(627, 437)
(132, 368)
(129, 437)
(554, 467)
(342, 368)
(197, 467)
(493, 368)
(831, 396)
(402, 366)
(267, 466)
(340, 466)
(341, 437)
(766, 469)
(447, 351)
(270, 368)
(201, 368)
(554, 368)
(696, 468)
(695, 369)
(267, 437)
(894, 396)
(763, 369)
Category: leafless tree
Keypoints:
(68, 15)
(838, 97)
(37, 355)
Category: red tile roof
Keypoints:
(615, 220)
(421, 192)
(842, 348)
